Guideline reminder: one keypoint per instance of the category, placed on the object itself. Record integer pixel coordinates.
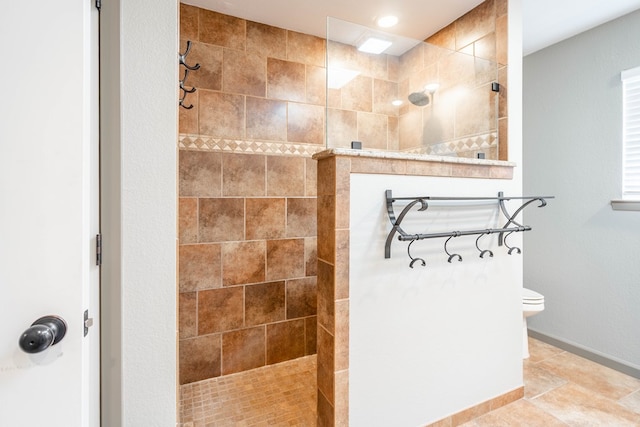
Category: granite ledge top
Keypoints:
(331, 152)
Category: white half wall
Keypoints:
(582, 256)
(429, 342)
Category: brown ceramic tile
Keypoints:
(220, 310)
(266, 119)
(475, 24)
(310, 334)
(285, 259)
(326, 413)
(311, 177)
(285, 80)
(221, 220)
(301, 217)
(222, 30)
(188, 22)
(503, 94)
(358, 94)
(244, 73)
(326, 228)
(301, 297)
(199, 267)
(579, 406)
(540, 351)
(471, 413)
(187, 220)
(243, 263)
(342, 128)
(477, 114)
(445, 38)
(384, 93)
(470, 171)
(264, 303)
(502, 40)
(243, 175)
(316, 85)
(503, 139)
(199, 358)
(485, 47)
(342, 264)
(325, 363)
(221, 115)
(326, 172)
(265, 218)
(590, 375)
(341, 403)
(370, 165)
(243, 350)
(428, 168)
(200, 174)
(502, 7)
(410, 129)
(305, 123)
(311, 256)
(326, 296)
(266, 40)
(209, 75)
(285, 341)
(188, 117)
(305, 48)
(187, 315)
(285, 176)
(631, 402)
(341, 343)
(393, 137)
(372, 131)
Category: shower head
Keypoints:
(419, 98)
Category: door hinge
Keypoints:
(98, 249)
(98, 4)
(88, 322)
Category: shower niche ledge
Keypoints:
(397, 163)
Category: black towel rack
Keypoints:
(510, 225)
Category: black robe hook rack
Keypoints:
(511, 225)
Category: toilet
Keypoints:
(532, 303)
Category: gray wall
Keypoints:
(583, 256)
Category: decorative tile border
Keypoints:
(208, 143)
(451, 148)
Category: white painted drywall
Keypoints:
(139, 133)
(582, 256)
(429, 342)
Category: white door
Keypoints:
(48, 212)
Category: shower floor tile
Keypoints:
(277, 395)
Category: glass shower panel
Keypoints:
(410, 97)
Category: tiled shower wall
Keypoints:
(247, 261)
(247, 184)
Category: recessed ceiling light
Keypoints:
(387, 21)
(374, 45)
(396, 102)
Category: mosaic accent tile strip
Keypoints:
(450, 148)
(208, 143)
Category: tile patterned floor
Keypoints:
(561, 389)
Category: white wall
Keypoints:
(139, 132)
(428, 342)
(582, 255)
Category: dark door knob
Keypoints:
(43, 333)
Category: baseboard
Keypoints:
(587, 354)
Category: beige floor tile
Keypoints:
(578, 406)
(520, 413)
(538, 380)
(597, 378)
(539, 351)
(631, 402)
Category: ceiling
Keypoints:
(545, 22)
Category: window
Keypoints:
(630, 141)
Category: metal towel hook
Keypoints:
(511, 248)
(413, 260)
(183, 58)
(485, 251)
(452, 256)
